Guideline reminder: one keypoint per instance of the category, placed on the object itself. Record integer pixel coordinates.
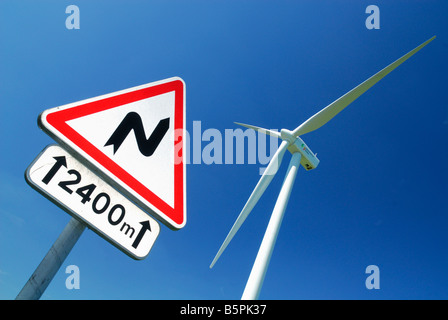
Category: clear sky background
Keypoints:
(379, 196)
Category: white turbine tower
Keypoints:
(301, 154)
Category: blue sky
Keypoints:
(378, 197)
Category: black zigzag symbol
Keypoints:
(132, 121)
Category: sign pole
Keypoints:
(51, 263)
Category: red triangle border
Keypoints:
(59, 118)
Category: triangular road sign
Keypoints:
(134, 139)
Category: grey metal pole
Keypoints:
(256, 278)
(51, 263)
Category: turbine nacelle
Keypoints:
(309, 160)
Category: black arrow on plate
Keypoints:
(132, 121)
(141, 233)
(60, 161)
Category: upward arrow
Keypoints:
(141, 233)
(132, 121)
(60, 161)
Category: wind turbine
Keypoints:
(301, 155)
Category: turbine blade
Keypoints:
(262, 130)
(261, 186)
(326, 114)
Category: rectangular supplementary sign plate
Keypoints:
(61, 178)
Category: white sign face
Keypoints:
(69, 184)
(134, 139)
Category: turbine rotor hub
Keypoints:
(287, 135)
